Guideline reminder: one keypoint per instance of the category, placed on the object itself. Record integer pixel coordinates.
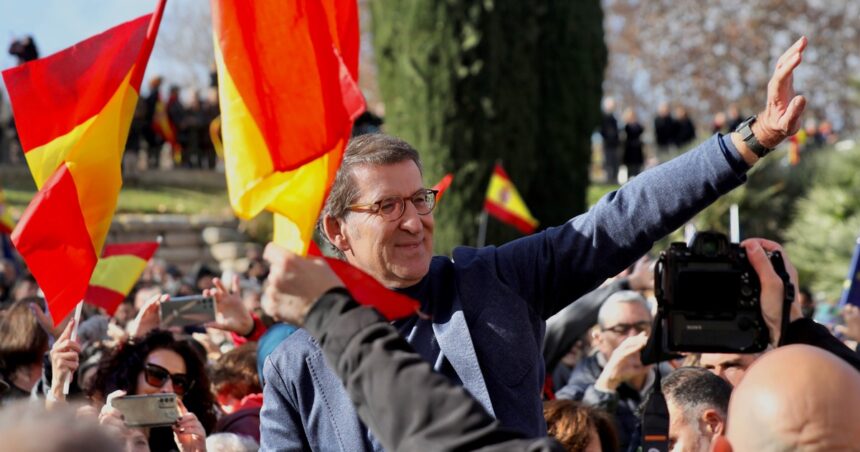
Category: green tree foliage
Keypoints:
(470, 82)
(827, 223)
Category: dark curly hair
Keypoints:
(120, 370)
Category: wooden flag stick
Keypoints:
(68, 378)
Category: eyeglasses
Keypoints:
(624, 328)
(392, 208)
(157, 376)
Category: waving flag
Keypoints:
(287, 76)
(73, 110)
(504, 202)
(118, 269)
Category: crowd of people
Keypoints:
(534, 345)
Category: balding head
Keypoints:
(795, 398)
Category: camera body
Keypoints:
(709, 297)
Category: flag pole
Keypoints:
(68, 377)
(482, 229)
(734, 224)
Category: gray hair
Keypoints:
(369, 149)
(618, 298)
(230, 442)
(694, 390)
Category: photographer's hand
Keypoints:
(851, 329)
(624, 364)
(772, 287)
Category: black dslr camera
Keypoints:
(709, 297)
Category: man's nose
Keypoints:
(411, 221)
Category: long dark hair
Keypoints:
(121, 369)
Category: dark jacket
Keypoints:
(397, 394)
(488, 306)
(623, 404)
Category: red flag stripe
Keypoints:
(72, 89)
(51, 251)
(368, 291)
(250, 38)
(104, 298)
(143, 250)
(505, 215)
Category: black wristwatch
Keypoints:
(745, 129)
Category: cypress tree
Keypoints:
(472, 82)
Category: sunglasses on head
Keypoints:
(157, 376)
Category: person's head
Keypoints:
(230, 442)
(733, 111)
(680, 112)
(378, 213)
(234, 376)
(608, 105)
(624, 314)
(629, 115)
(125, 312)
(157, 364)
(795, 398)
(29, 427)
(663, 109)
(26, 287)
(698, 403)
(23, 342)
(579, 427)
(145, 291)
(731, 367)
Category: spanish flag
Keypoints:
(287, 76)
(7, 224)
(73, 110)
(118, 269)
(504, 202)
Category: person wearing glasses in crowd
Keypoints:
(485, 309)
(614, 378)
(157, 364)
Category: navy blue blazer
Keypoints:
(488, 306)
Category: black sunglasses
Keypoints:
(157, 376)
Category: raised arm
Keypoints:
(559, 264)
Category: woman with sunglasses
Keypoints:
(158, 363)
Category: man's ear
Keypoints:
(721, 444)
(335, 231)
(715, 423)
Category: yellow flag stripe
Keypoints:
(118, 273)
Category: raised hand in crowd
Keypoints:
(188, 432)
(231, 314)
(148, 318)
(772, 287)
(297, 282)
(851, 317)
(781, 116)
(65, 358)
(624, 364)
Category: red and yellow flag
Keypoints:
(7, 224)
(504, 202)
(287, 76)
(118, 269)
(73, 110)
